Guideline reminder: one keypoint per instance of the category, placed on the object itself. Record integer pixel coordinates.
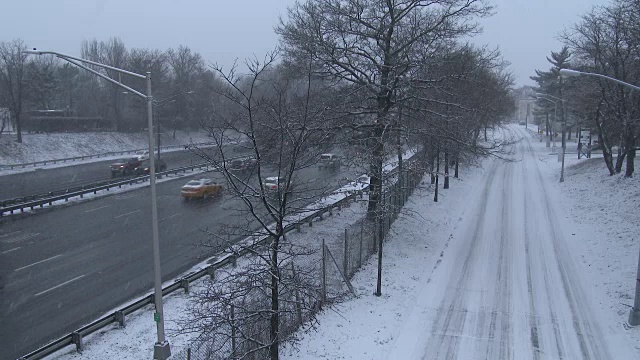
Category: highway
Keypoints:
(64, 267)
(43, 180)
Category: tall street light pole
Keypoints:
(634, 314)
(161, 349)
(564, 129)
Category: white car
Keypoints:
(274, 183)
(329, 161)
(142, 155)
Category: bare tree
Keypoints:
(607, 41)
(279, 127)
(375, 44)
(141, 61)
(12, 72)
(187, 68)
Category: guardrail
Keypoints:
(85, 157)
(49, 198)
(119, 316)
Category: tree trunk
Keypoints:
(433, 169)
(376, 172)
(606, 150)
(631, 157)
(456, 170)
(485, 133)
(457, 159)
(18, 128)
(275, 305)
(620, 160)
(446, 167)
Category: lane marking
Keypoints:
(9, 234)
(124, 197)
(169, 217)
(20, 238)
(98, 208)
(59, 285)
(129, 213)
(10, 250)
(38, 262)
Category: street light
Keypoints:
(634, 314)
(161, 349)
(569, 73)
(564, 125)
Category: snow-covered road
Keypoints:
(507, 287)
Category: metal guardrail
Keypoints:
(85, 157)
(48, 199)
(182, 283)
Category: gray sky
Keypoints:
(223, 30)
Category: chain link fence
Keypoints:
(308, 281)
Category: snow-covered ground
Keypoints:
(41, 147)
(508, 264)
(503, 267)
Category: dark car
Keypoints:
(124, 167)
(143, 168)
(242, 164)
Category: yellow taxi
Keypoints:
(200, 188)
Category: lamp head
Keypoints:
(33, 52)
(569, 72)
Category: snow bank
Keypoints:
(607, 235)
(40, 147)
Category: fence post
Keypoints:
(76, 337)
(120, 318)
(374, 235)
(189, 353)
(346, 249)
(324, 273)
(212, 272)
(297, 295)
(233, 332)
(360, 250)
(184, 283)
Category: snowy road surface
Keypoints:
(508, 287)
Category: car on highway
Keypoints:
(242, 164)
(275, 183)
(200, 188)
(124, 167)
(142, 154)
(143, 168)
(329, 161)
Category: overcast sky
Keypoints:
(223, 30)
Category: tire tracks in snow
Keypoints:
(533, 324)
(440, 339)
(588, 336)
(493, 322)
